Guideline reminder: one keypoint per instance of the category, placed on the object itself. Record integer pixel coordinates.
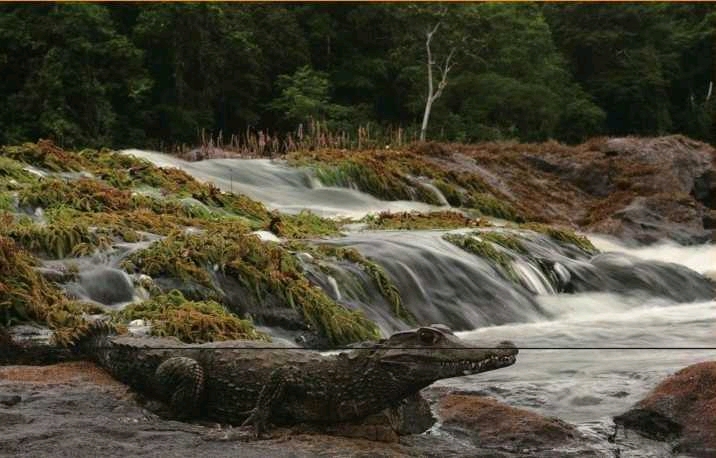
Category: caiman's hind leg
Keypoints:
(182, 381)
(271, 394)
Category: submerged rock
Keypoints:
(681, 409)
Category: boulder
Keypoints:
(491, 424)
(681, 409)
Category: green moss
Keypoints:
(563, 235)
(507, 240)
(485, 250)
(452, 194)
(26, 296)
(263, 268)
(84, 194)
(490, 206)
(415, 220)
(302, 225)
(45, 155)
(380, 277)
(189, 321)
(7, 201)
(57, 240)
(373, 179)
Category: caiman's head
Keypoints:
(433, 352)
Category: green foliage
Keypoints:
(90, 74)
(380, 277)
(304, 95)
(646, 65)
(416, 221)
(26, 296)
(473, 243)
(302, 225)
(57, 240)
(563, 235)
(190, 322)
(262, 268)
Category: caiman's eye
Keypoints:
(428, 337)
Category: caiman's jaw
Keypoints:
(505, 354)
(434, 353)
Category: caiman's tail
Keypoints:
(18, 350)
(78, 344)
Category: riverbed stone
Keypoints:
(681, 409)
(489, 423)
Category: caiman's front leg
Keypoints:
(270, 395)
(182, 381)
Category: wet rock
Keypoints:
(9, 400)
(491, 424)
(107, 286)
(8, 418)
(682, 409)
(638, 189)
(412, 416)
(650, 219)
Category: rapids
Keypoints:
(646, 310)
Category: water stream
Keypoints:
(636, 300)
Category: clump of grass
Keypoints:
(563, 235)
(46, 155)
(416, 220)
(507, 240)
(7, 201)
(488, 205)
(85, 194)
(11, 169)
(263, 268)
(302, 225)
(192, 322)
(485, 250)
(380, 277)
(57, 240)
(27, 296)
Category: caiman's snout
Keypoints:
(509, 346)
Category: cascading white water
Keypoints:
(627, 298)
(281, 187)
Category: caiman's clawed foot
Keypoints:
(258, 418)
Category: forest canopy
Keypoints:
(129, 74)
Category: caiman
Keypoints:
(244, 382)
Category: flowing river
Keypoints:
(632, 314)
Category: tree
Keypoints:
(640, 62)
(305, 96)
(433, 95)
(68, 75)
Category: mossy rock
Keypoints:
(563, 235)
(484, 249)
(25, 296)
(192, 322)
(416, 220)
(264, 268)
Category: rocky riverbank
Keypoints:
(76, 409)
(638, 189)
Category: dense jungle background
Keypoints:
(164, 74)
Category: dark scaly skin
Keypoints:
(288, 386)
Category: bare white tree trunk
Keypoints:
(432, 94)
